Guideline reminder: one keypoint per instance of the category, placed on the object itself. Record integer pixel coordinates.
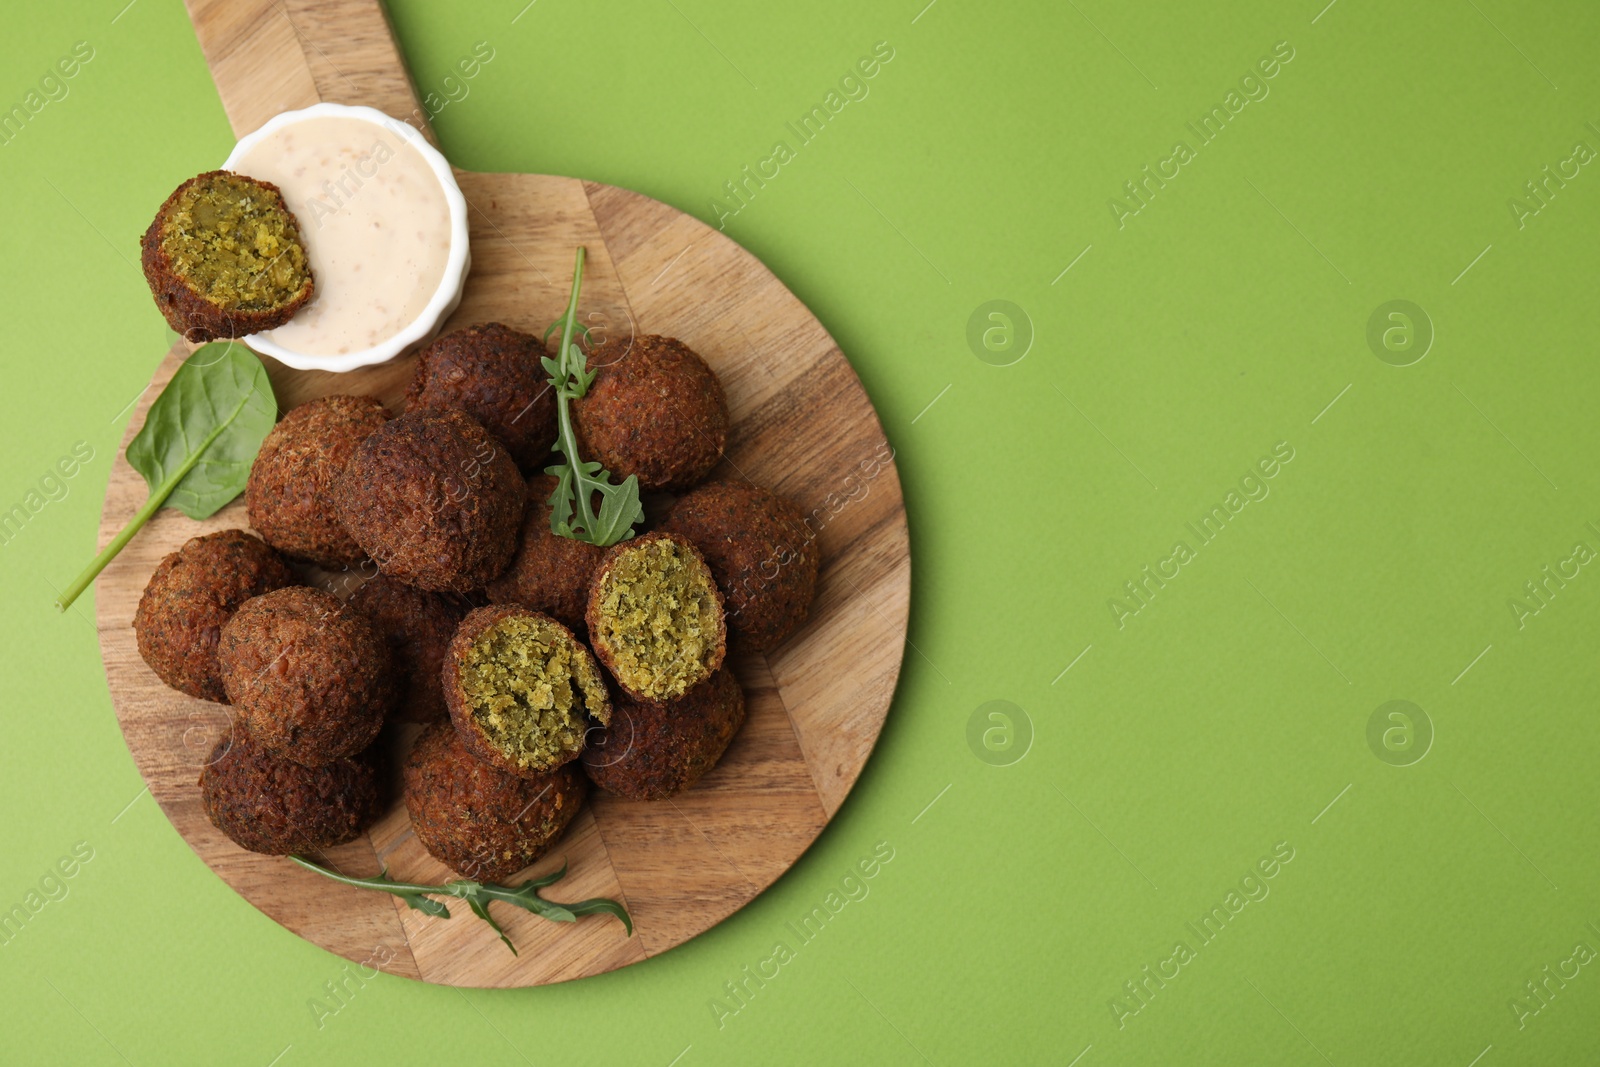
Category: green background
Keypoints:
(1228, 717)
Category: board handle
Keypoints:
(268, 56)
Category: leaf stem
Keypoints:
(569, 437)
(382, 882)
(158, 497)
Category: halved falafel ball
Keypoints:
(224, 258)
(655, 617)
(435, 500)
(550, 573)
(417, 626)
(476, 819)
(655, 410)
(266, 803)
(287, 495)
(763, 555)
(309, 675)
(491, 372)
(191, 594)
(521, 689)
(654, 751)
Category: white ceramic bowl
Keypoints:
(445, 299)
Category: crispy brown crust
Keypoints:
(654, 751)
(762, 553)
(273, 805)
(655, 410)
(592, 612)
(192, 593)
(477, 820)
(491, 372)
(435, 500)
(309, 675)
(287, 495)
(476, 622)
(190, 313)
(549, 573)
(417, 626)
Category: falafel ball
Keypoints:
(191, 594)
(550, 573)
(654, 751)
(655, 410)
(309, 675)
(224, 258)
(655, 616)
(493, 373)
(287, 494)
(521, 689)
(269, 804)
(476, 819)
(435, 500)
(762, 553)
(417, 626)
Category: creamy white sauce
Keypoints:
(375, 224)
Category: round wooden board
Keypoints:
(802, 425)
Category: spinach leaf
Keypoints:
(197, 442)
(204, 430)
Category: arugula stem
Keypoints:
(479, 895)
(158, 497)
(374, 883)
(569, 438)
(572, 510)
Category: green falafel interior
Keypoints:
(235, 244)
(531, 690)
(659, 619)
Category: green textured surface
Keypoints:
(1227, 716)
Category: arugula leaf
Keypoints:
(418, 902)
(411, 894)
(577, 482)
(481, 910)
(197, 442)
(599, 905)
(479, 895)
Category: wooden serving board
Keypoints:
(802, 426)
